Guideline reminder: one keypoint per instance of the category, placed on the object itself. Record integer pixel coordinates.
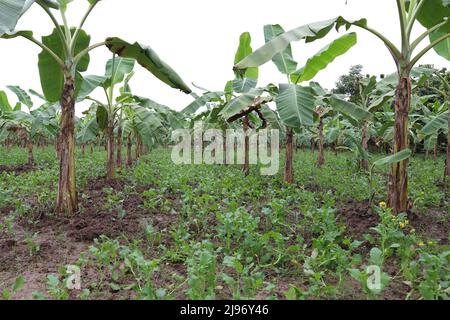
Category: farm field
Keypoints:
(230, 159)
(164, 231)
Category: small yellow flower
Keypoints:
(406, 222)
(383, 205)
(412, 231)
(421, 244)
(430, 243)
(402, 225)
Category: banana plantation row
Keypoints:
(403, 112)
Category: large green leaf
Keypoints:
(349, 108)
(148, 58)
(49, 112)
(430, 142)
(284, 60)
(400, 156)
(102, 117)
(432, 13)
(117, 68)
(14, 34)
(439, 122)
(324, 57)
(22, 95)
(363, 154)
(167, 117)
(244, 85)
(238, 104)
(89, 131)
(51, 74)
(10, 12)
(201, 101)
(5, 106)
(443, 48)
(148, 117)
(295, 105)
(146, 123)
(271, 117)
(308, 32)
(89, 84)
(37, 94)
(244, 50)
(368, 85)
(20, 117)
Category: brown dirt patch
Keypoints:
(19, 169)
(61, 239)
(358, 218)
(432, 224)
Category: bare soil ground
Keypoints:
(61, 239)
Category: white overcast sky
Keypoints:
(199, 38)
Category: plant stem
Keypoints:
(46, 49)
(94, 100)
(403, 26)
(57, 27)
(428, 48)
(395, 52)
(412, 18)
(80, 27)
(80, 55)
(66, 29)
(426, 33)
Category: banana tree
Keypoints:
(28, 126)
(142, 125)
(109, 113)
(20, 123)
(366, 87)
(244, 82)
(65, 54)
(224, 107)
(436, 122)
(169, 118)
(87, 129)
(440, 121)
(433, 15)
(327, 103)
(295, 103)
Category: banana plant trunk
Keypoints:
(321, 159)
(119, 147)
(129, 145)
(67, 200)
(398, 186)
(142, 149)
(447, 159)
(57, 146)
(365, 146)
(83, 150)
(246, 168)
(110, 151)
(92, 148)
(288, 166)
(137, 149)
(435, 151)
